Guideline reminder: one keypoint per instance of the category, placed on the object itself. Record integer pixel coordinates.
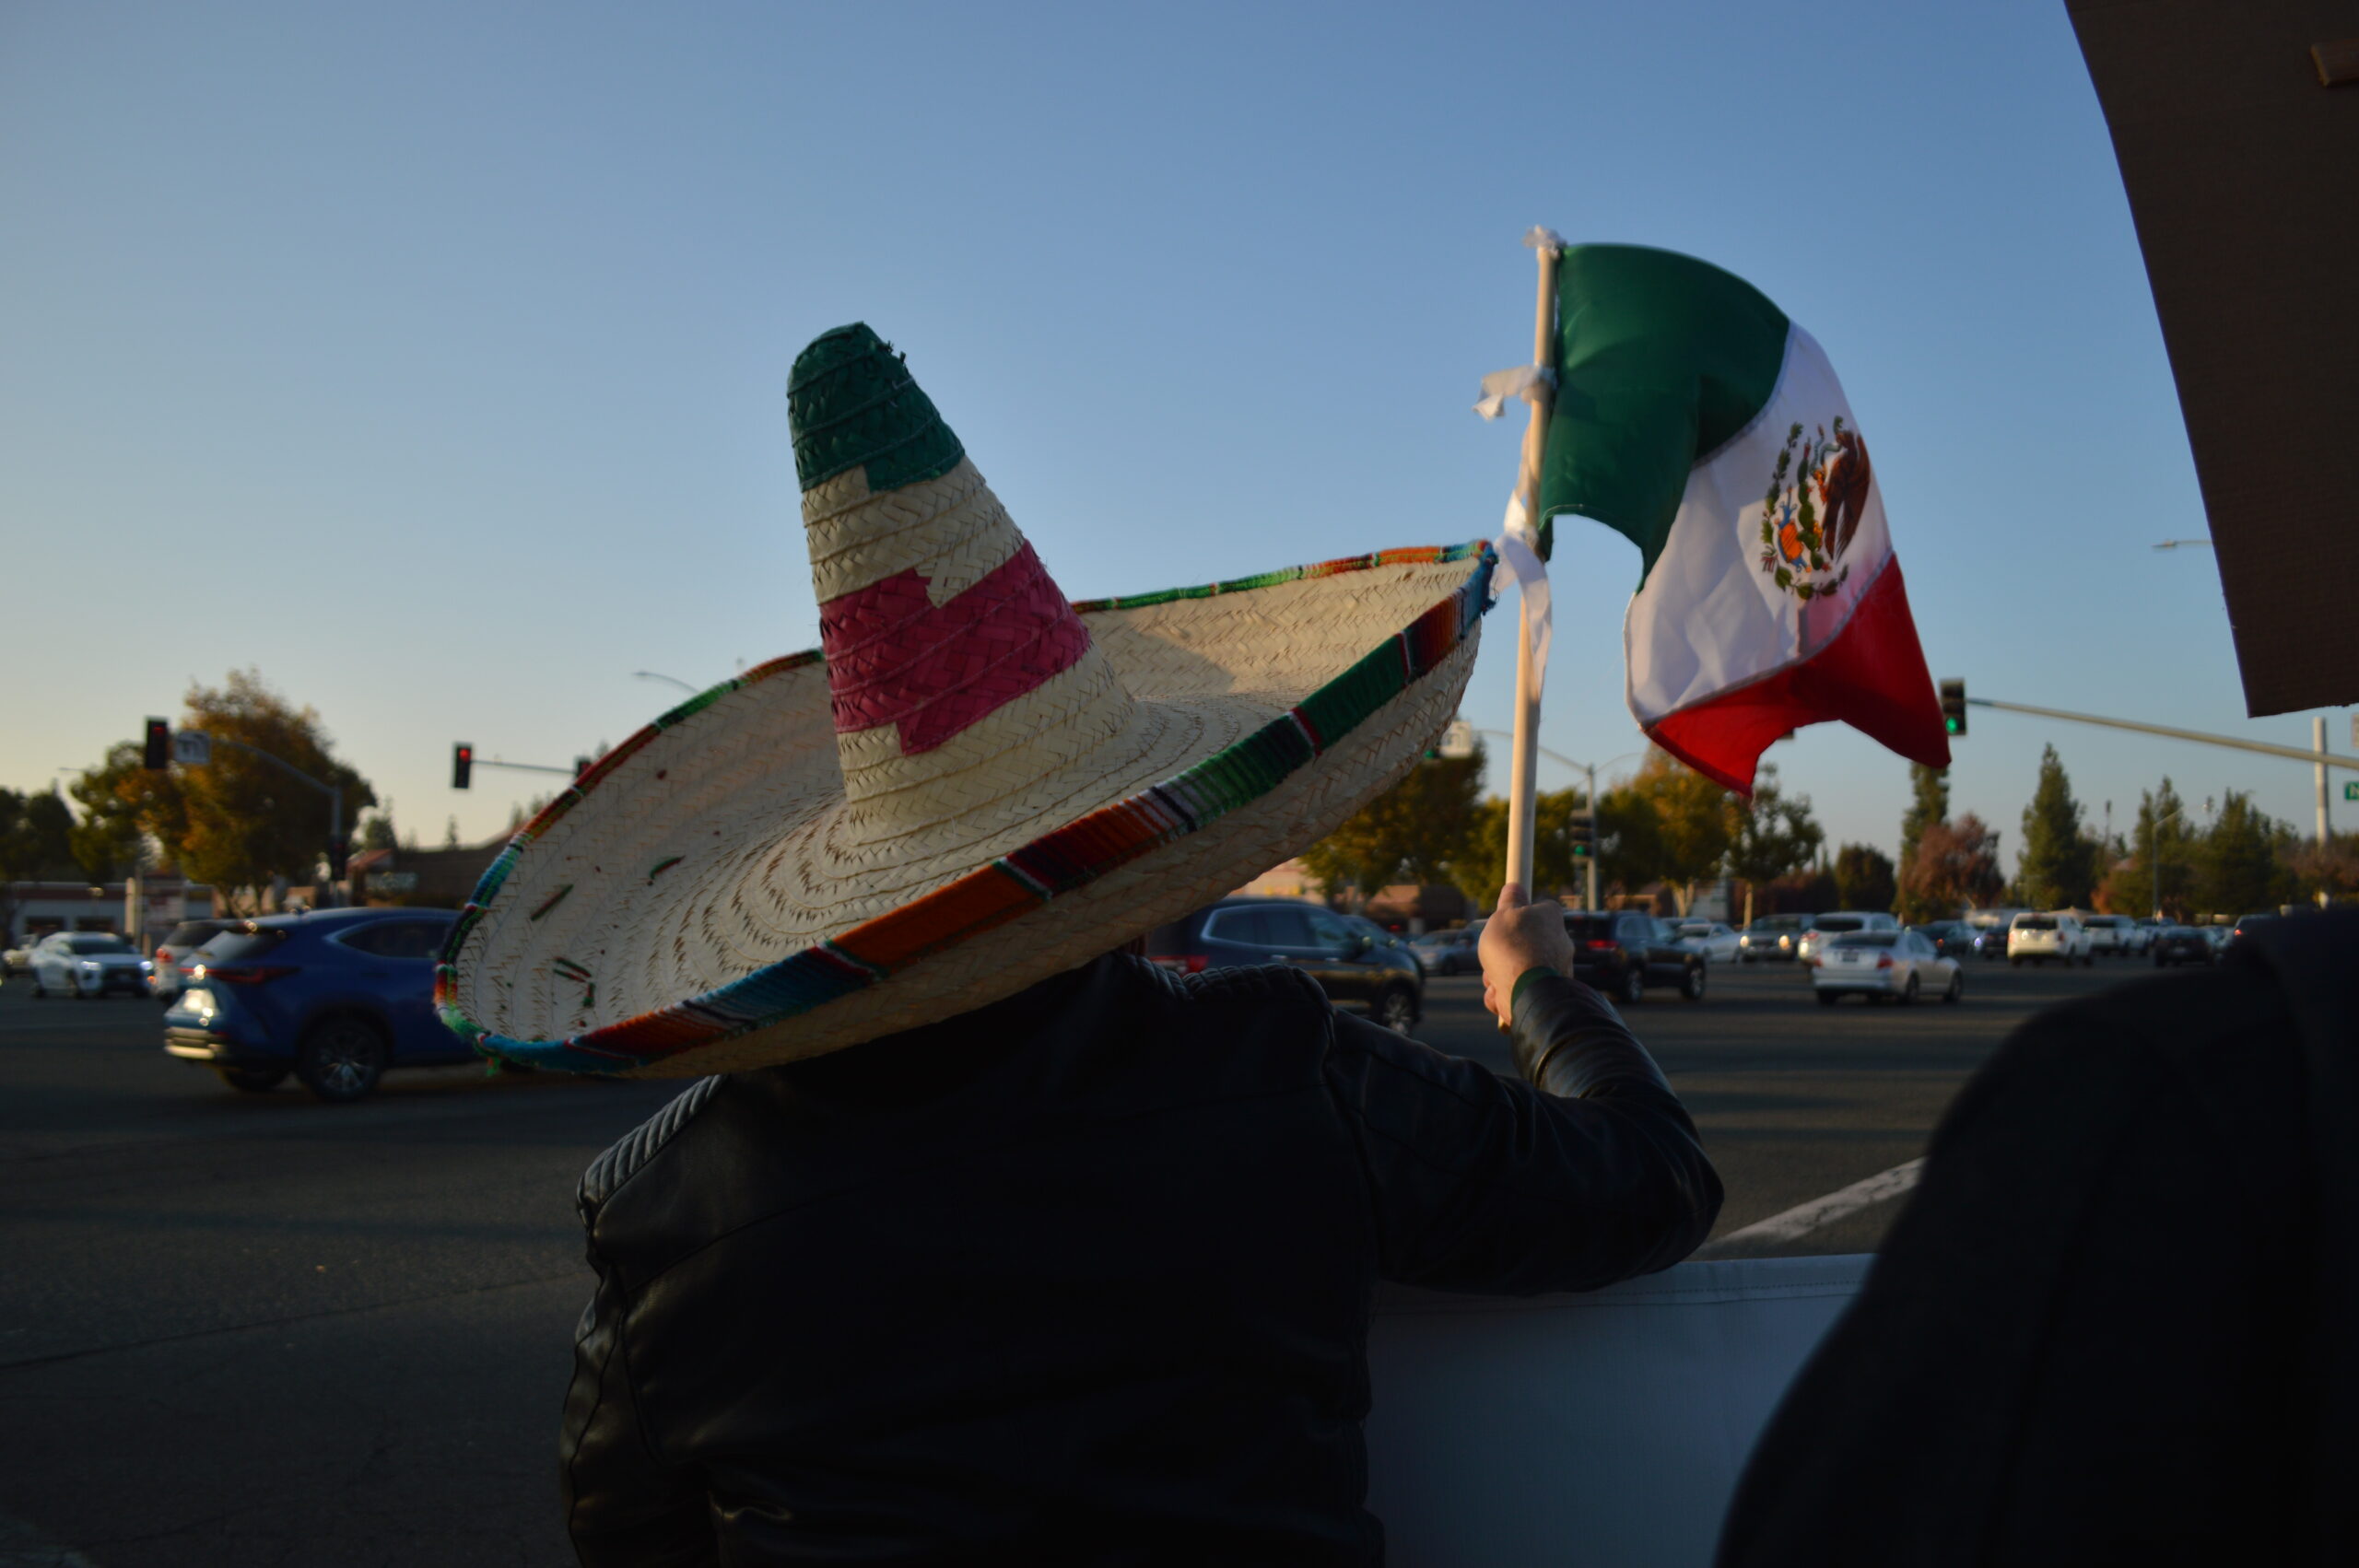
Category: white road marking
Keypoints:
(1820, 1212)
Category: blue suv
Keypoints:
(335, 997)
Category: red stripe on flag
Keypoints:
(1872, 677)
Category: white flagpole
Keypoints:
(1525, 759)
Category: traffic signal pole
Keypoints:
(2318, 756)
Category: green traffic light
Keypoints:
(1951, 725)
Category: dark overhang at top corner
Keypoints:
(2236, 127)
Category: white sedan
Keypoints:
(1877, 965)
(86, 964)
(1716, 942)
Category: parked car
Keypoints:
(1899, 965)
(1951, 939)
(2038, 938)
(1772, 938)
(2246, 923)
(2217, 936)
(1716, 942)
(337, 997)
(1622, 952)
(83, 964)
(2114, 935)
(1989, 928)
(167, 974)
(1450, 952)
(2174, 945)
(1354, 968)
(1841, 923)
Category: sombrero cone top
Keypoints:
(971, 785)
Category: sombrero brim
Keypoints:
(700, 901)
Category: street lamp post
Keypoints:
(658, 675)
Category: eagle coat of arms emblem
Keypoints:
(1816, 496)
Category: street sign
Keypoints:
(192, 748)
(2351, 791)
(1458, 741)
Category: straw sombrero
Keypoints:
(969, 785)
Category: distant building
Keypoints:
(33, 909)
(428, 878)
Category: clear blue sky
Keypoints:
(430, 359)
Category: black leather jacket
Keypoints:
(1083, 1276)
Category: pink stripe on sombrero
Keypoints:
(895, 657)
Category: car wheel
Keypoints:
(1908, 993)
(341, 1058)
(38, 993)
(1396, 1011)
(1691, 985)
(1827, 999)
(1957, 988)
(252, 1079)
(1634, 985)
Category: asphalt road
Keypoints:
(245, 1329)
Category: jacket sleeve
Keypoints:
(623, 1504)
(1590, 1173)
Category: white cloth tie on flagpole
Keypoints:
(1521, 562)
(1517, 381)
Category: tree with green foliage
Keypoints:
(1774, 836)
(36, 836)
(377, 833)
(1864, 879)
(1928, 803)
(2330, 869)
(1483, 865)
(108, 840)
(1421, 830)
(238, 823)
(2058, 867)
(2161, 832)
(1668, 823)
(2240, 866)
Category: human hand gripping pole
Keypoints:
(1519, 937)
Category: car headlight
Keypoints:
(146, 967)
(89, 967)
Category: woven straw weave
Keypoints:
(979, 786)
(767, 857)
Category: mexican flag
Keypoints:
(1691, 415)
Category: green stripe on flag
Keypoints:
(1660, 359)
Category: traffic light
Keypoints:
(462, 764)
(158, 751)
(339, 859)
(1581, 832)
(580, 765)
(1954, 706)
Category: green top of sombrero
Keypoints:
(850, 401)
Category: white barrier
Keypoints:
(1607, 1428)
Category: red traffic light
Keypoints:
(157, 752)
(462, 764)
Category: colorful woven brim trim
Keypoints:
(1011, 886)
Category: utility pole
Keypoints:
(2318, 744)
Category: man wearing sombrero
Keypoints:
(980, 1238)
